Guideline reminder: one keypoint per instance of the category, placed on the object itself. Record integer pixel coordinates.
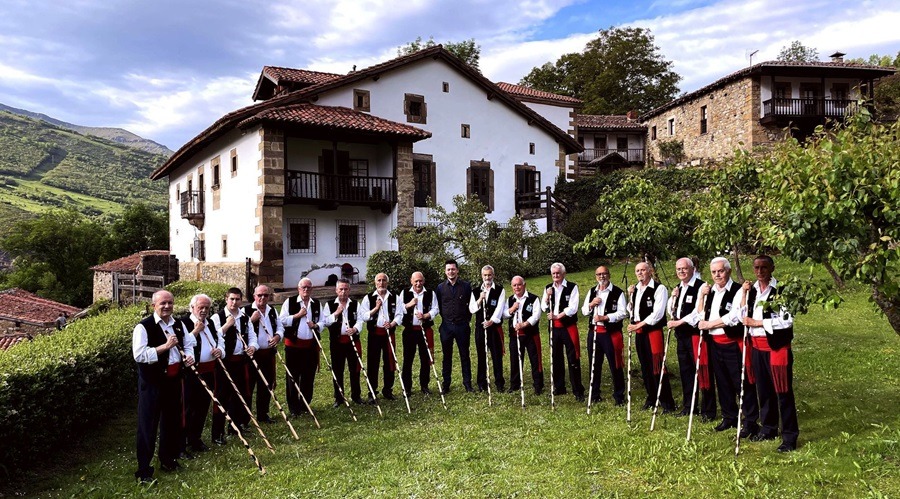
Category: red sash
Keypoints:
(656, 348)
(173, 370)
(380, 331)
(703, 373)
(778, 360)
(206, 367)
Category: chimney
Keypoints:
(837, 57)
(632, 115)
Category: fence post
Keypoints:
(549, 210)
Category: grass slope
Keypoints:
(846, 379)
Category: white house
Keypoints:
(323, 168)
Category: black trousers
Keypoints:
(237, 369)
(461, 333)
(159, 409)
(265, 358)
(530, 345)
(603, 342)
(772, 403)
(343, 356)
(495, 346)
(378, 351)
(197, 402)
(563, 344)
(687, 365)
(413, 340)
(651, 379)
(302, 363)
(727, 367)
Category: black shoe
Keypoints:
(647, 406)
(669, 410)
(336, 404)
(371, 400)
(357, 400)
(468, 388)
(220, 440)
(682, 413)
(596, 399)
(265, 419)
(761, 437)
(170, 466)
(146, 477)
(749, 431)
(388, 396)
(146, 480)
(501, 388)
(482, 389)
(513, 390)
(426, 390)
(786, 447)
(620, 403)
(725, 425)
(538, 391)
(199, 446)
(408, 394)
(187, 456)
(705, 418)
(579, 398)
(445, 388)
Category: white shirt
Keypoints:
(781, 321)
(620, 313)
(692, 318)
(265, 329)
(532, 320)
(660, 297)
(346, 321)
(733, 314)
(401, 307)
(147, 355)
(384, 317)
(238, 344)
(497, 316)
(286, 318)
(206, 339)
(574, 298)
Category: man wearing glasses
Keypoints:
(605, 306)
(269, 332)
(301, 317)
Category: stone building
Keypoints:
(25, 313)
(754, 106)
(158, 263)
(610, 142)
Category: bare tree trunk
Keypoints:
(737, 265)
(890, 307)
(834, 275)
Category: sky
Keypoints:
(168, 69)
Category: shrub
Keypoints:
(548, 248)
(184, 290)
(399, 270)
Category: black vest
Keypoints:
(686, 308)
(735, 332)
(154, 373)
(426, 306)
(567, 320)
(391, 305)
(273, 318)
(230, 336)
(203, 337)
(293, 306)
(334, 329)
(490, 304)
(778, 338)
(648, 301)
(612, 305)
(530, 307)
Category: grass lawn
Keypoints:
(846, 380)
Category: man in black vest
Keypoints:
(722, 317)
(301, 316)
(561, 304)
(524, 314)
(606, 308)
(771, 330)
(453, 304)
(209, 348)
(377, 310)
(487, 303)
(231, 322)
(343, 325)
(420, 307)
(683, 310)
(648, 316)
(269, 332)
(155, 346)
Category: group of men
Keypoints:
(234, 351)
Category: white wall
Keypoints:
(766, 90)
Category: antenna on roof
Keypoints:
(751, 56)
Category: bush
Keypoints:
(184, 290)
(551, 247)
(400, 269)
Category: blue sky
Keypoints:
(167, 69)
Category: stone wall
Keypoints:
(405, 185)
(231, 273)
(269, 208)
(103, 286)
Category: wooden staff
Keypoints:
(487, 352)
(662, 374)
(434, 369)
(394, 356)
(628, 372)
(701, 309)
(296, 386)
(594, 358)
(241, 397)
(365, 375)
(547, 294)
(737, 440)
(521, 357)
(334, 378)
(221, 408)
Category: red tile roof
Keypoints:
(279, 75)
(532, 94)
(9, 340)
(336, 118)
(609, 122)
(128, 263)
(20, 305)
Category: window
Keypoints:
(702, 119)
(671, 125)
(234, 162)
(424, 180)
(653, 132)
(361, 100)
(302, 235)
(198, 250)
(782, 92)
(177, 192)
(600, 142)
(528, 179)
(224, 246)
(215, 172)
(351, 238)
(446, 87)
(840, 91)
(480, 180)
(531, 148)
(359, 167)
(415, 108)
(465, 131)
(622, 144)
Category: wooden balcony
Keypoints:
(541, 204)
(192, 208)
(630, 155)
(330, 191)
(775, 110)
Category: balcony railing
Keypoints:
(630, 155)
(808, 108)
(333, 190)
(540, 204)
(192, 208)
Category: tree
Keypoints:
(879, 60)
(619, 71)
(835, 199)
(797, 52)
(139, 228)
(467, 50)
(52, 256)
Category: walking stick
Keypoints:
(221, 408)
(552, 381)
(662, 374)
(628, 370)
(365, 375)
(334, 377)
(737, 443)
(296, 386)
(434, 369)
(521, 367)
(241, 397)
(594, 358)
(700, 306)
(487, 352)
(402, 385)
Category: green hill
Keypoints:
(44, 166)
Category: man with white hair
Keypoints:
(606, 307)
(722, 317)
(301, 316)
(486, 303)
(209, 348)
(647, 307)
(417, 310)
(560, 302)
(269, 332)
(377, 310)
(524, 314)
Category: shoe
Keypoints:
(445, 388)
(357, 400)
(669, 410)
(705, 418)
(761, 437)
(336, 404)
(538, 391)
(596, 399)
(469, 388)
(408, 394)
(426, 390)
(725, 425)
(170, 466)
(187, 456)
(265, 419)
(199, 446)
(371, 400)
(501, 388)
(388, 396)
(146, 480)
(619, 403)
(786, 447)
(647, 406)
(512, 390)
(749, 431)
(579, 398)
(482, 389)
(682, 413)
(220, 440)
